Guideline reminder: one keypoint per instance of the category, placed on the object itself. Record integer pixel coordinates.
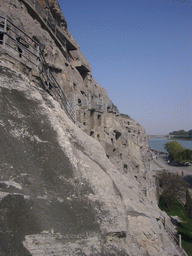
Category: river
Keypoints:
(158, 144)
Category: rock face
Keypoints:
(67, 188)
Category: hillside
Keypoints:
(73, 171)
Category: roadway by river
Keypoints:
(161, 163)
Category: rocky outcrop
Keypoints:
(67, 188)
(95, 113)
(59, 191)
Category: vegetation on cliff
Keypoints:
(125, 115)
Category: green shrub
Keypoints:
(188, 205)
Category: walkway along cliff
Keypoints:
(74, 172)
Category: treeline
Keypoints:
(178, 153)
(182, 134)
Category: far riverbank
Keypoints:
(158, 144)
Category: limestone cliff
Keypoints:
(72, 168)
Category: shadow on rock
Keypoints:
(16, 221)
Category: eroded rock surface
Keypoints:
(67, 188)
(60, 194)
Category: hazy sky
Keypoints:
(140, 52)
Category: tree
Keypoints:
(190, 133)
(174, 149)
(178, 153)
(188, 205)
(180, 132)
(173, 186)
(185, 156)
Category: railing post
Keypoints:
(179, 241)
(34, 4)
(55, 28)
(102, 103)
(164, 221)
(4, 33)
(89, 100)
(74, 100)
(65, 43)
(146, 191)
(48, 78)
(37, 57)
(74, 107)
(47, 16)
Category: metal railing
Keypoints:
(52, 86)
(26, 47)
(96, 103)
(171, 233)
(48, 19)
(176, 237)
(111, 107)
(13, 37)
(16, 39)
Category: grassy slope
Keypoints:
(185, 227)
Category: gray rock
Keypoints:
(68, 189)
(76, 201)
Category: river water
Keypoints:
(158, 144)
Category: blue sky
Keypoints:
(140, 52)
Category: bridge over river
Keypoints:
(157, 136)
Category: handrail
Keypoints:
(97, 103)
(31, 53)
(48, 20)
(22, 39)
(174, 235)
(38, 55)
(22, 31)
(37, 58)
